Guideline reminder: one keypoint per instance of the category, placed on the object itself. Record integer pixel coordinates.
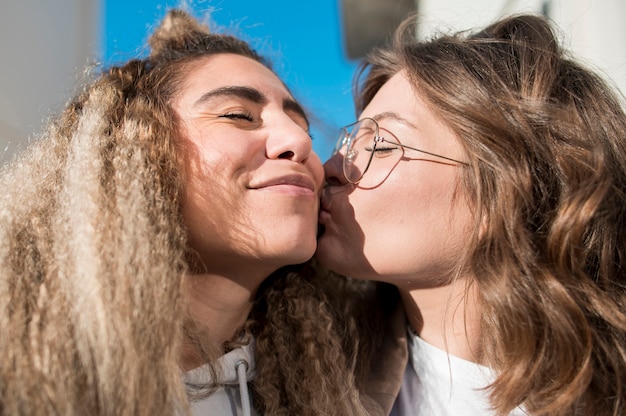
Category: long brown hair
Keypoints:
(546, 141)
(93, 250)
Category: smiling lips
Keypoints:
(295, 184)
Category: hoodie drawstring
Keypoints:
(241, 366)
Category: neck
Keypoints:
(446, 317)
(219, 307)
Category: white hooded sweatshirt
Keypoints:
(235, 369)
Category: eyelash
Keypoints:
(238, 116)
(382, 151)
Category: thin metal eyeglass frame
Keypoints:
(377, 139)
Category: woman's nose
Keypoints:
(289, 141)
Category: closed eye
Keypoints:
(382, 150)
(238, 116)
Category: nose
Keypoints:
(289, 140)
(333, 170)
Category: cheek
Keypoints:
(410, 228)
(387, 221)
(391, 208)
(372, 216)
(206, 179)
(206, 204)
(315, 166)
(210, 194)
(216, 147)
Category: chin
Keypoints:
(295, 251)
(304, 254)
(293, 243)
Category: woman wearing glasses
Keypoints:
(485, 187)
(143, 243)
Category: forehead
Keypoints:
(399, 100)
(222, 70)
(400, 107)
(397, 95)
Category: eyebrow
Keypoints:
(395, 117)
(249, 94)
(246, 93)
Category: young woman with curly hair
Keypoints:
(144, 239)
(485, 185)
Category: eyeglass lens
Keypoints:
(361, 149)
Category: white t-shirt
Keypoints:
(436, 383)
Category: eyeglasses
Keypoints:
(362, 144)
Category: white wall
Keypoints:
(595, 30)
(45, 46)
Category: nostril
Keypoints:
(286, 155)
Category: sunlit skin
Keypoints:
(253, 185)
(406, 226)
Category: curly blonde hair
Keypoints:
(93, 250)
(546, 141)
